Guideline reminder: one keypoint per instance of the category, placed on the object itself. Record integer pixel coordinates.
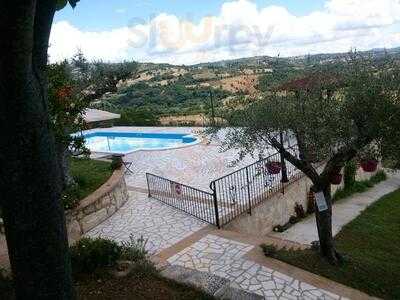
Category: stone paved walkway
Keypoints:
(162, 225)
(225, 258)
(343, 212)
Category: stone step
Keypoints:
(290, 246)
(211, 284)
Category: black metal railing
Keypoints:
(195, 202)
(240, 191)
(232, 194)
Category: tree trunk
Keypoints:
(29, 175)
(324, 226)
(63, 156)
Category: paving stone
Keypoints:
(282, 276)
(307, 295)
(162, 225)
(232, 293)
(245, 274)
(269, 285)
(263, 278)
(290, 297)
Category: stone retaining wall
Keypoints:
(95, 208)
(278, 209)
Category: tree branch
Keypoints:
(344, 155)
(303, 166)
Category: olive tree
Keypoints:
(335, 115)
(105, 77)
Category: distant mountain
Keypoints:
(315, 58)
(187, 90)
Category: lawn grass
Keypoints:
(89, 175)
(371, 245)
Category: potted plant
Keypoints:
(273, 167)
(369, 165)
(335, 178)
(369, 159)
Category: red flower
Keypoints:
(64, 92)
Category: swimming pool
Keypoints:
(127, 142)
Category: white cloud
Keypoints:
(240, 29)
(108, 45)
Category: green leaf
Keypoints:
(60, 4)
(73, 3)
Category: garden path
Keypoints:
(343, 212)
(227, 258)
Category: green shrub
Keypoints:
(70, 197)
(357, 187)
(88, 254)
(360, 186)
(116, 162)
(135, 249)
(378, 177)
(269, 250)
(138, 117)
(143, 268)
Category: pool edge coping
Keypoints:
(198, 141)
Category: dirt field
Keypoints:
(190, 120)
(243, 83)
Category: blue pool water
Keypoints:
(126, 142)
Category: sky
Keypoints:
(189, 32)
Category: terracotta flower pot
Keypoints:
(336, 179)
(336, 170)
(369, 166)
(273, 167)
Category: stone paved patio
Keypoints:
(225, 258)
(162, 225)
(195, 165)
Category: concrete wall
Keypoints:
(278, 209)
